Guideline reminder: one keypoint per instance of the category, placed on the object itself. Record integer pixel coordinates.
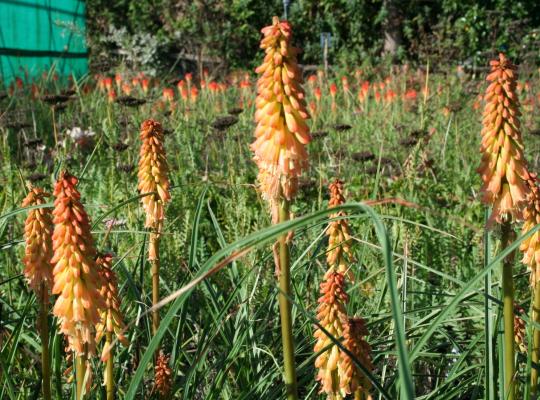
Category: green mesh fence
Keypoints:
(37, 36)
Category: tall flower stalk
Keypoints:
(38, 230)
(154, 182)
(76, 277)
(111, 323)
(504, 174)
(336, 372)
(531, 258)
(280, 154)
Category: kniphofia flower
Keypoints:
(281, 132)
(318, 94)
(111, 95)
(76, 276)
(194, 93)
(111, 317)
(107, 82)
(168, 94)
(330, 313)
(352, 380)
(126, 88)
(145, 83)
(153, 171)
(38, 229)
(531, 246)
(163, 375)
(503, 167)
(410, 95)
(339, 253)
(118, 80)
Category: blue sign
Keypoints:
(326, 39)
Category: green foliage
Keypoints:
(227, 32)
(419, 265)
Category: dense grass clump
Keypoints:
(422, 267)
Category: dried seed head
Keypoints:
(352, 380)
(503, 168)
(163, 375)
(111, 317)
(38, 251)
(76, 277)
(153, 171)
(281, 133)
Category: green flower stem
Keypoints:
(535, 357)
(508, 313)
(43, 324)
(285, 308)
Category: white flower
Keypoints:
(77, 133)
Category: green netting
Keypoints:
(38, 35)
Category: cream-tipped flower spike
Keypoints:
(111, 317)
(339, 253)
(330, 313)
(153, 171)
(281, 133)
(352, 380)
(503, 168)
(76, 276)
(38, 229)
(531, 246)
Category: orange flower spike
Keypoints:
(281, 133)
(153, 173)
(38, 229)
(111, 317)
(352, 380)
(163, 375)
(330, 312)
(503, 168)
(76, 276)
(339, 253)
(531, 246)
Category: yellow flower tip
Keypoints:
(76, 276)
(38, 229)
(503, 168)
(163, 375)
(153, 173)
(282, 132)
(352, 379)
(111, 319)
